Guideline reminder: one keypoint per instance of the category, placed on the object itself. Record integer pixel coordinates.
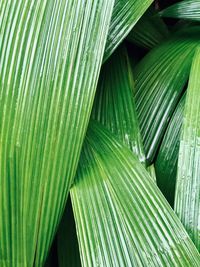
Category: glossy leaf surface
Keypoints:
(187, 9)
(167, 158)
(114, 104)
(159, 79)
(125, 15)
(50, 57)
(187, 197)
(122, 218)
(149, 31)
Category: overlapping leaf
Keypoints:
(187, 9)
(50, 56)
(149, 31)
(187, 197)
(114, 105)
(159, 79)
(125, 15)
(121, 217)
(167, 158)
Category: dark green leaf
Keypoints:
(125, 15)
(149, 31)
(187, 9)
(68, 251)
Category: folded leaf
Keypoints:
(149, 31)
(167, 158)
(125, 15)
(187, 197)
(187, 9)
(50, 57)
(114, 104)
(159, 80)
(122, 218)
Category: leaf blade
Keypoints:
(114, 104)
(187, 9)
(167, 158)
(159, 79)
(187, 185)
(125, 16)
(46, 83)
(149, 31)
(121, 217)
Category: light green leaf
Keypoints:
(159, 80)
(187, 9)
(187, 197)
(149, 31)
(122, 218)
(50, 57)
(125, 15)
(114, 104)
(151, 171)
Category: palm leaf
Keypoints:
(125, 15)
(159, 79)
(50, 57)
(152, 172)
(149, 31)
(122, 218)
(167, 158)
(187, 204)
(187, 9)
(114, 105)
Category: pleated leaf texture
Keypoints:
(125, 15)
(149, 31)
(187, 197)
(114, 104)
(167, 159)
(160, 78)
(187, 9)
(122, 219)
(50, 57)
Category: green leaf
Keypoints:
(67, 243)
(151, 171)
(149, 31)
(50, 58)
(187, 9)
(125, 15)
(121, 217)
(114, 105)
(187, 197)
(159, 80)
(167, 158)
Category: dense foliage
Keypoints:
(99, 133)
